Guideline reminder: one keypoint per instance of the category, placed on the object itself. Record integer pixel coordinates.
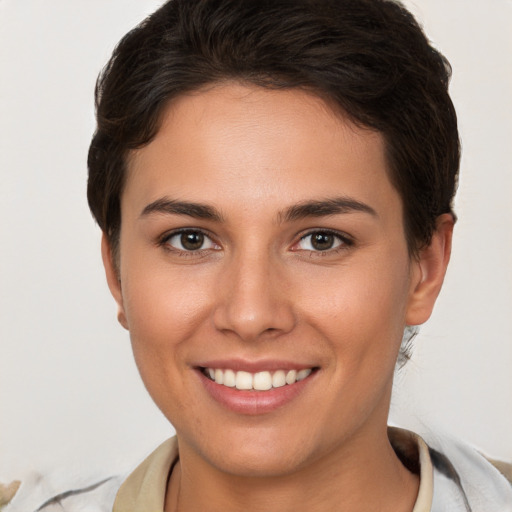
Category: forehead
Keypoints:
(246, 145)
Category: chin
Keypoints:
(249, 453)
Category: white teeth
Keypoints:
(219, 376)
(278, 379)
(243, 380)
(229, 379)
(260, 381)
(291, 376)
(302, 374)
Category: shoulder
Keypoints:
(505, 468)
(464, 479)
(142, 489)
(96, 497)
(39, 494)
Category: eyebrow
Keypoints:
(313, 208)
(173, 207)
(324, 208)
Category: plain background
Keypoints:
(70, 395)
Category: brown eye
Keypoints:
(321, 241)
(190, 241)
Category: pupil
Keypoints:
(322, 241)
(192, 241)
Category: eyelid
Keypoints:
(164, 239)
(345, 239)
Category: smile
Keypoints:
(260, 381)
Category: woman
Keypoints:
(274, 182)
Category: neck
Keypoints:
(363, 474)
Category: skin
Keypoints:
(259, 290)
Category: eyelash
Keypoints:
(345, 242)
(164, 242)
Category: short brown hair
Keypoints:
(369, 57)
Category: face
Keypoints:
(265, 278)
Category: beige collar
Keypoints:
(413, 451)
(145, 488)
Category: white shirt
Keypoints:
(453, 478)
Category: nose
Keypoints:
(253, 301)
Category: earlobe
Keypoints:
(431, 269)
(113, 280)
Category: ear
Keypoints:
(429, 272)
(113, 279)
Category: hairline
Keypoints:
(333, 106)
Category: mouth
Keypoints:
(258, 381)
(256, 387)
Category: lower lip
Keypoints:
(254, 402)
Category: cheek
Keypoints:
(158, 297)
(362, 311)
(164, 313)
(164, 309)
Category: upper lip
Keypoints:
(254, 366)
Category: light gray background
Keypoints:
(70, 396)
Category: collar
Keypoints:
(145, 488)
